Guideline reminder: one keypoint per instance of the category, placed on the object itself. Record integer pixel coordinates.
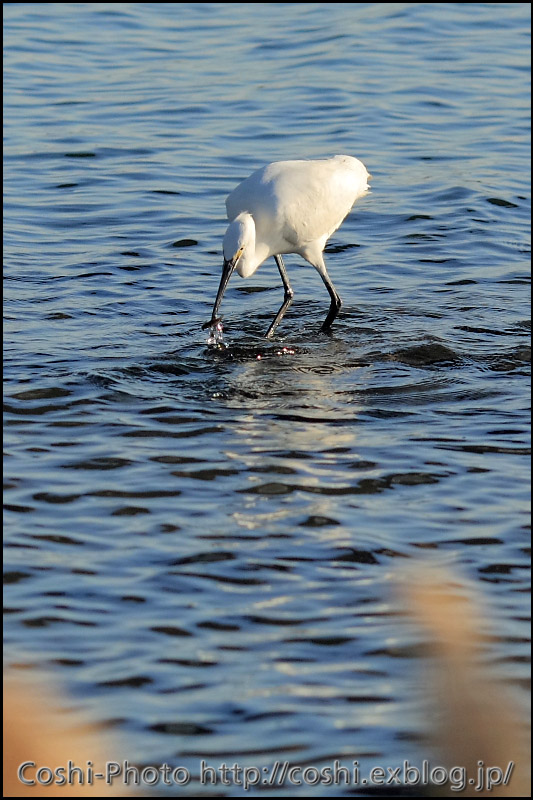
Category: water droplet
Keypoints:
(216, 335)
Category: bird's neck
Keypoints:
(255, 252)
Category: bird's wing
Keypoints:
(294, 203)
(313, 203)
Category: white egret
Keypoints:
(289, 207)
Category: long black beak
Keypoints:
(227, 269)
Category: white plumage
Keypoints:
(289, 207)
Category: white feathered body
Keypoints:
(297, 205)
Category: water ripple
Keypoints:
(201, 540)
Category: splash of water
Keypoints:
(216, 335)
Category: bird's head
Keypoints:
(238, 247)
(239, 242)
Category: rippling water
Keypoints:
(200, 541)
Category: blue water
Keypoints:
(202, 543)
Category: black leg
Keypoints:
(336, 302)
(287, 300)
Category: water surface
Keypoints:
(201, 542)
